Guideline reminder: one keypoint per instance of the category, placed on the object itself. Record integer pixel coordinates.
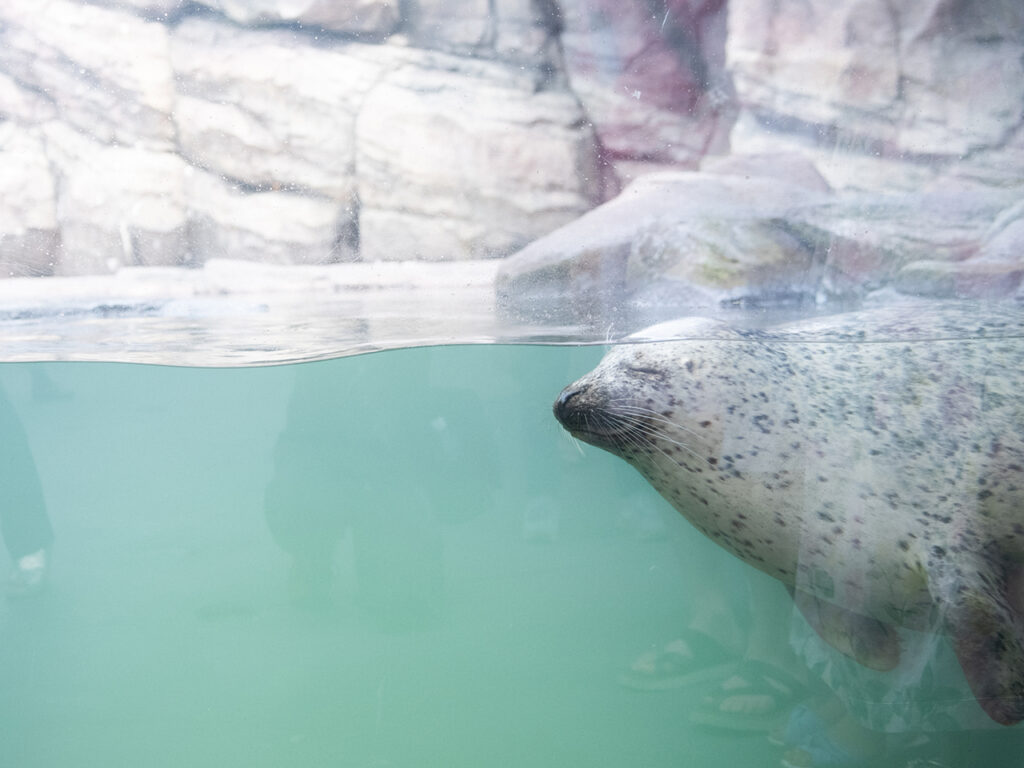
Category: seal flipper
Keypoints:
(867, 641)
(988, 637)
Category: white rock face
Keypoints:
(1004, 241)
(448, 158)
(108, 73)
(374, 16)
(919, 79)
(116, 206)
(255, 107)
(170, 132)
(269, 227)
(25, 106)
(28, 217)
(483, 163)
(154, 9)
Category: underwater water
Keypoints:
(396, 559)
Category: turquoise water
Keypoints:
(398, 559)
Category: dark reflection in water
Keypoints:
(388, 460)
(24, 522)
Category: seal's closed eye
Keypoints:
(644, 370)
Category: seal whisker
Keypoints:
(632, 437)
(650, 414)
(573, 441)
(641, 438)
(649, 432)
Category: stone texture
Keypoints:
(1004, 240)
(523, 31)
(998, 166)
(927, 82)
(23, 105)
(457, 26)
(842, 164)
(870, 240)
(795, 169)
(158, 10)
(116, 206)
(970, 279)
(272, 227)
(651, 77)
(377, 17)
(467, 130)
(619, 257)
(108, 73)
(29, 240)
(960, 280)
(764, 232)
(717, 259)
(469, 162)
(257, 108)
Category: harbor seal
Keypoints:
(873, 462)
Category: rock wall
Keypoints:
(877, 153)
(166, 132)
(901, 89)
(156, 132)
(652, 77)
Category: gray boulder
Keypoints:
(994, 269)
(971, 279)
(761, 232)
(669, 241)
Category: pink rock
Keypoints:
(651, 80)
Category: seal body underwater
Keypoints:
(872, 461)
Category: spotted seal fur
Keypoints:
(872, 461)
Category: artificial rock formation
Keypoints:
(286, 132)
(765, 232)
(903, 84)
(165, 132)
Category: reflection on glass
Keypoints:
(25, 525)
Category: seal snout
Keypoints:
(582, 410)
(566, 407)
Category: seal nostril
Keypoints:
(562, 406)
